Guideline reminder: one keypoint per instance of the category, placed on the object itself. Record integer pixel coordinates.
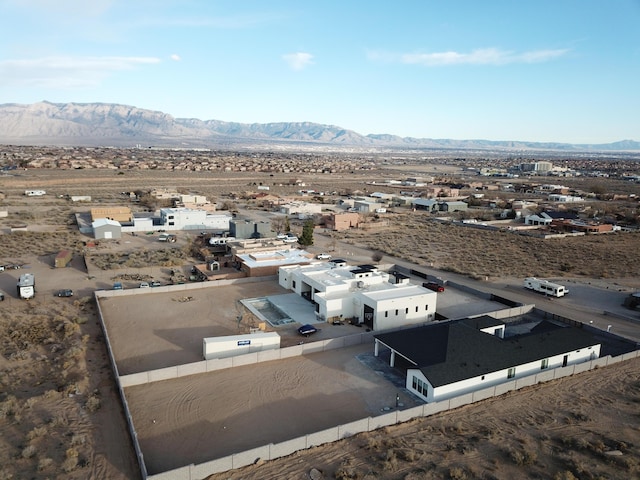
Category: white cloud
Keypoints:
(483, 56)
(66, 72)
(298, 60)
(175, 57)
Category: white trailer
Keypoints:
(26, 286)
(34, 193)
(233, 345)
(546, 287)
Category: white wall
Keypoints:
(385, 310)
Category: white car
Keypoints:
(323, 256)
(290, 239)
(144, 285)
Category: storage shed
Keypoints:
(63, 258)
(103, 228)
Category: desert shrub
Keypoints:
(347, 472)
(50, 394)
(457, 473)
(406, 454)
(8, 407)
(390, 463)
(92, 404)
(44, 463)
(59, 421)
(566, 475)
(79, 439)
(29, 451)
(522, 457)
(37, 432)
(69, 328)
(373, 443)
(71, 460)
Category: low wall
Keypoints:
(183, 286)
(212, 365)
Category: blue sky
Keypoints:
(561, 70)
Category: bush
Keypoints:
(93, 404)
(29, 451)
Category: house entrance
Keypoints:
(368, 316)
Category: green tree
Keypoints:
(306, 238)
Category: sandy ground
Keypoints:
(559, 430)
(201, 417)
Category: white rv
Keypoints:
(26, 286)
(546, 287)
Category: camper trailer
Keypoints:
(545, 287)
(26, 286)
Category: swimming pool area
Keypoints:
(265, 310)
(279, 310)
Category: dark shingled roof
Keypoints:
(454, 351)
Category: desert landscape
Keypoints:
(61, 416)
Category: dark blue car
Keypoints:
(307, 330)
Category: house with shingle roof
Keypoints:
(448, 359)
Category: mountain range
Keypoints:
(107, 124)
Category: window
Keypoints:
(511, 373)
(396, 313)
(386, 314)
(420, 386)
(293, 284)
(406, 310)
(544, 364)
(416, 309)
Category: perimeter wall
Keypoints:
(339, 432)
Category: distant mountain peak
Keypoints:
(110, 124)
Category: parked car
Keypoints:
(64, 293)
(436, 287)
(1, 296)
(144, 285)
(117, 286)
(307, 330)
(323, 256)
(155, 283)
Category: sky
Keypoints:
(544, 70)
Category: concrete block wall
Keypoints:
(325, 436)
(287, 447)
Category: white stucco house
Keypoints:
(362, 294)
(448, 359)
(543, 219)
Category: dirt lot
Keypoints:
(60, 417)
(197, 418)
(173, 324)
(561, 430)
